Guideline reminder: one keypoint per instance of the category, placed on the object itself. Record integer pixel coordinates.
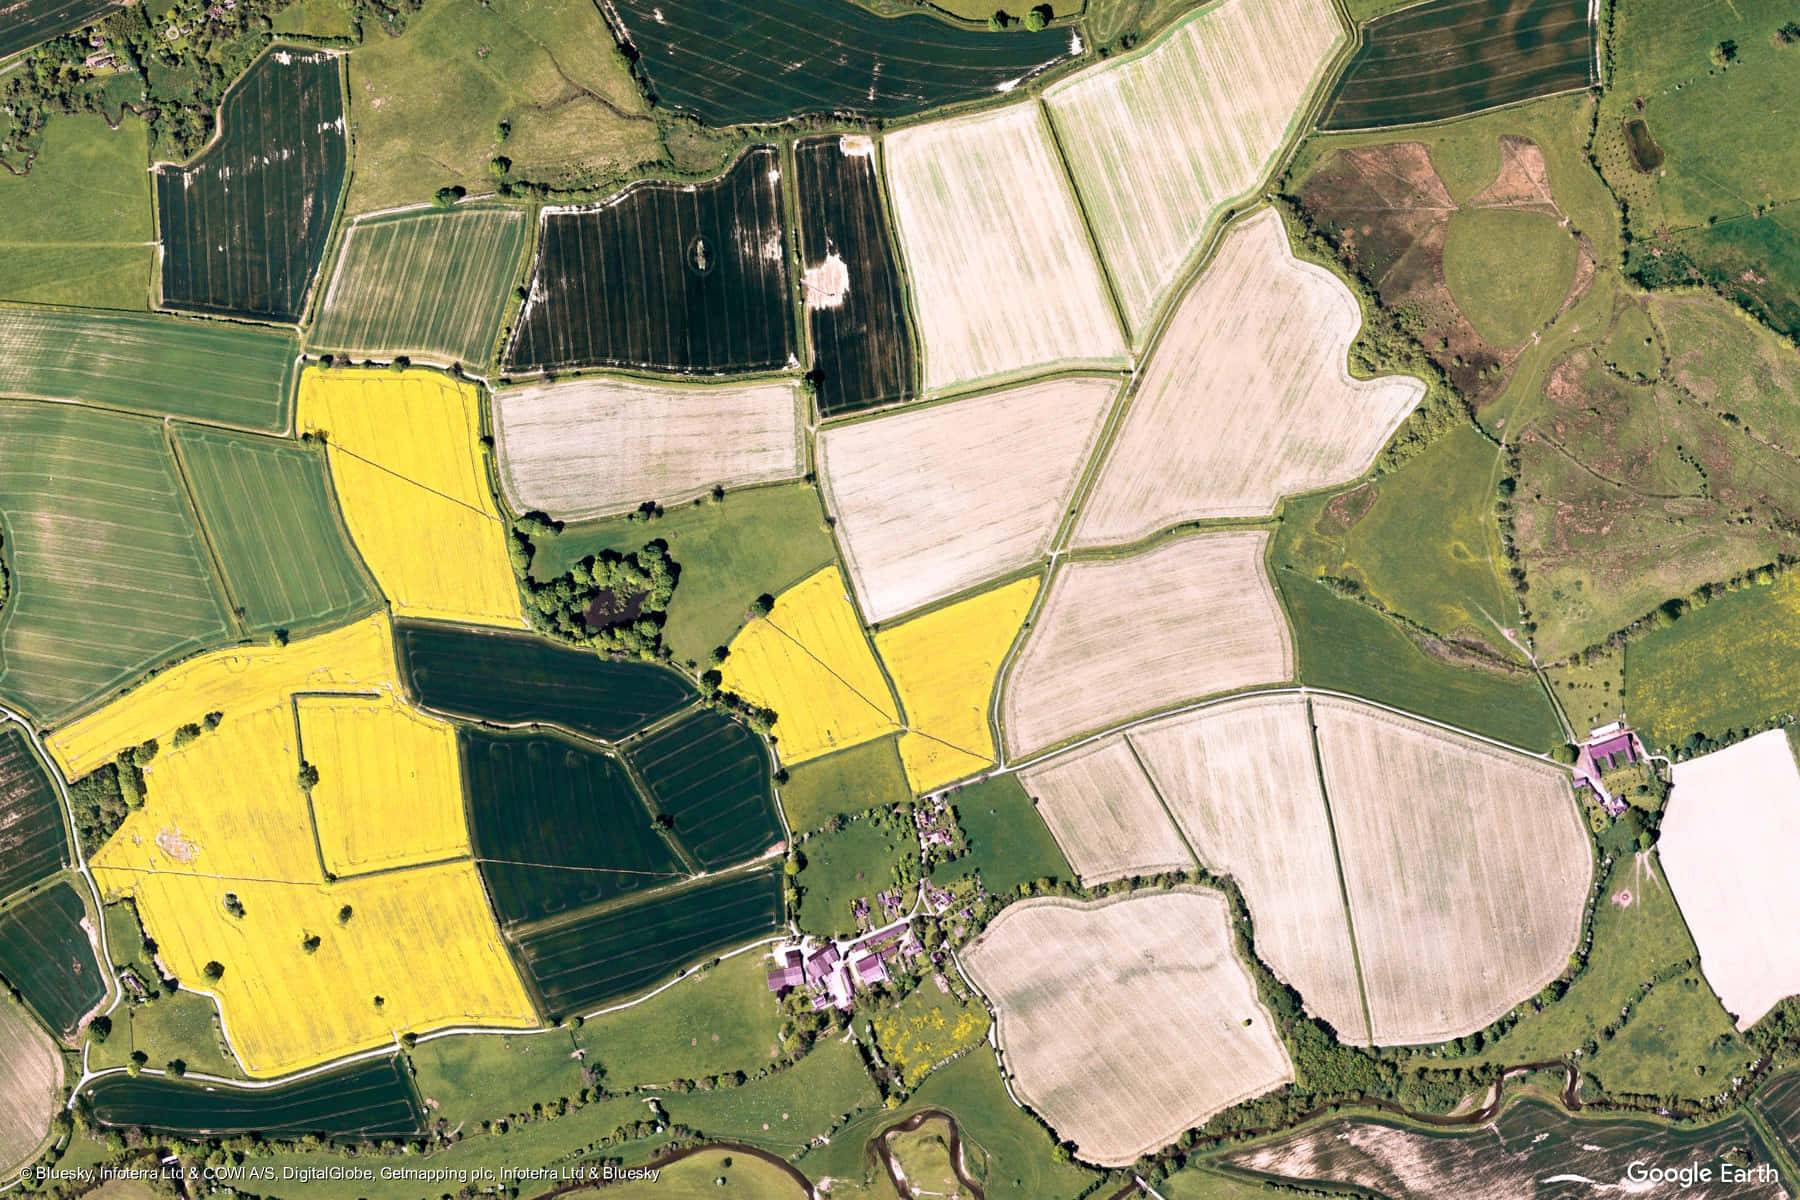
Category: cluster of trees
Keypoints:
(614, 603)
(1035, 18)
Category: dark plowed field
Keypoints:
(664, 276)
(758, 61)
(373, 1099)
(855, 305)
(46, 955)
(710, 776)
(25, 23)
(1452, 57)
(33, 845)
(244, 226)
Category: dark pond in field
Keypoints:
(1646, 155)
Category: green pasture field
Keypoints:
(926, 1028)
(721, 1020)
(557, 825)
(372, 1098)
(845, 783)
(1009, 1151)
(1009, 844)
(184, 1026)
(221, 374)
(1633, 347)
(45, 953)
(1345, 646)
(518, 679)
(1591, 694)
(429, 285)
(474, 1077)
(33, 843)
(110, 575)
(267, 509)
(79, 228)
(707, 1174)
(1197, 1182)
(754, 542)
(1508, 270)
(1732, 365)
(1679, 1042)
(1423, 541)
(859, 860)
(427, 105)
(784, 1111)
(581, 963)
(709, 775)
(1702, 203)
(1732, 664)
(316, 18)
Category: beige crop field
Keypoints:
(1004, 276)
(1494, 868)
(1105, 814)
(1242, 783)
(31, 1081)
(1159, 142)
(606, 444)
(1246, 397)
(1127, 1020)
(1727, 847)
(937, 499)
(1121, 637)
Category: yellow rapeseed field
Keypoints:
(390, 789)
(944, 666)
(356, 657)
(415, 496)
(808, 660)
(421, 940)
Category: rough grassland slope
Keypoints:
(1158, 143)
(1202, 620)
(1246, 397)
(1139, 1023)
(1105, 813)
(935, 500)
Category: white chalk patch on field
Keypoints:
(1127, 1020)
(1105, 814)
(934, 500)
(1727, 845)
(1246, 397)
(1004, 276)
(1118, 638)
(606, 444)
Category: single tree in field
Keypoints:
(1038, 17)
(213, 971)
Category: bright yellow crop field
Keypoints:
(422, 940)
(390, 783)
(355, 657)
(808, 660)
(413, 490)
(944, 666)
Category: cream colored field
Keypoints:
(1246, 397)
(1004, 277)
(1127, 1020)
(809, 661)
(1159, 142)
(606, 444)
(31, 1081)
(1467, 869)
(414, 491)
(1105, 813)
(1243, 785)
(357, 657)
(1727, 847)
(944, 666)
(390, 783)
(935, 500)
(1121, 637)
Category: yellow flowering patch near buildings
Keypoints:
(414, 493)
(355, 657)
(926, 1028)
(390, 789)
(419, 950)
(944, 666)
(808, 661)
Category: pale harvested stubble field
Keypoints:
(935, 500)
(1105, 814)
(1246, 396)
(1727, 847)
(1467, 870)
(1122, 637)
(1004, 276)
(1127, 1020)
(1160, 142)
(1243, 784)
(606, 444)
(30, 1084)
